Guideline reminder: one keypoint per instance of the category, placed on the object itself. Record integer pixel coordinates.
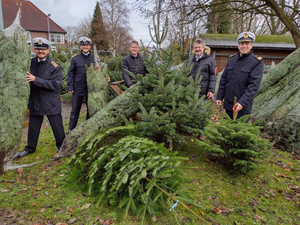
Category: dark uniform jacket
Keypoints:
(45, 90)
(241, 78)
(208, 72)
(77, 74)
(133, 64)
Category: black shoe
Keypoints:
(22, 154)
(68, 131)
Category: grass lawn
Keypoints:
(42, 194)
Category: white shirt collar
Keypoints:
(199, 57)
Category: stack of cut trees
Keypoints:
(278, 101)
(14, 93)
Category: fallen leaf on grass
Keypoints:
(216, 210)
(154, 218)
(20, 170)
(37, 188)
(272, 192)
(42, 210)
(27, 211)
(71, 209)
(72, 220)
(258, 218)
(86, 206)
(107, 222)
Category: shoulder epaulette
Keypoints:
(74, 55)
(259, 58)
(231, 55)
(54, 64)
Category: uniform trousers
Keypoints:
(35, 123)
(76, 106)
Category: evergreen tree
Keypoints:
(235, 143)
(98, 32)
(169, 100)
(14, 93)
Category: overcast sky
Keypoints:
(72, 12)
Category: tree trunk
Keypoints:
(110, 115)
(2, 156)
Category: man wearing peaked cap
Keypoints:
(40, 43)
(77, 84)
(241, 78)
(246, 37)
(84, 41)
(45, 78)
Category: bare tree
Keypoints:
(116, 17)
(260, 16)
(285, 11)
(84, 27)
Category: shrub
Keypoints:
(236, 143)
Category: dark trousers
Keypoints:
(239, 115)
(35, 123)
(76, 106)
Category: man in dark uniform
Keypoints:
(208, 69)
(77, 84)
(241, 78)
(45, 78)
(133, 63)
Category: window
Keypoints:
(52, 38)
(58, 38)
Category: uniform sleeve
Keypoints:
(71, 75)
(253, 84)
(212, 76)
(51, 84)
(125, 75)
(222, 85)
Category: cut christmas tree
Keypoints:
(14, 93)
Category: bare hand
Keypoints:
(210, 95)
(219, 102)
(108, 79)
(30, 77)
(237, 107)
(71, 92)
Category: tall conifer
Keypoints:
(98, 32)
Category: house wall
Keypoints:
(34, 34)
(269, 55)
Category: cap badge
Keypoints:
(84, 40)
(246, 35)
(40, 42)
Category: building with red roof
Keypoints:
(34, 21)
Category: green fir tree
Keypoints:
(235, 143)
(168, 99)
(98, 32)
(14, 93)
